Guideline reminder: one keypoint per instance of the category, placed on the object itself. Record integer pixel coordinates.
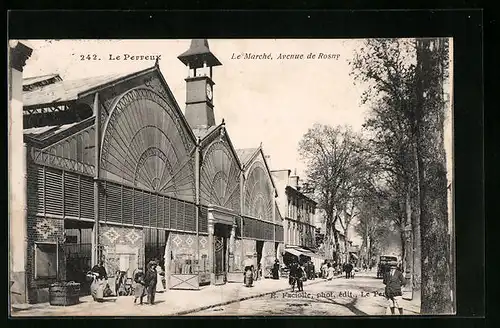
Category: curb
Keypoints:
(206, 307)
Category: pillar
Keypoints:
(96, 254)
(17, 155)
(211, 253)
(232, 238)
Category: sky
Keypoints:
(270, 101)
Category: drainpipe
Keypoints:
(197, 200)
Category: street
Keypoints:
(339, 297)
(361, 295)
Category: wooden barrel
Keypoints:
(64, 294)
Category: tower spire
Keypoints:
(199, 84)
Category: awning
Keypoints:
(297, 251)
(293, 251)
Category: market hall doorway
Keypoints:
(78, 252)
(260, 248)
(221, 251)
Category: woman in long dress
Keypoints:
(160, 276)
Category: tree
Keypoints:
(405, 92)
(330, 154)
(388, 67)
(432, 65)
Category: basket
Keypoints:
(64, 293)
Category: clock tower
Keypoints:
(199, 84)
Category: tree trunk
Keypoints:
(415, 228)
(436, 292)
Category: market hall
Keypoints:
(114, 171)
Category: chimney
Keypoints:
(294, 180)
(199, 84)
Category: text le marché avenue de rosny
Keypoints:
(283, 56)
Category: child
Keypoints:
(139, 286)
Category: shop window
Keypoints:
(46, 257)
(183, 264)
(186, 264)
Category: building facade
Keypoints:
(116, 172)
(298, 210)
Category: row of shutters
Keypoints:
(57, 192)
(258, 229)
(63, 193)
(121, 204)
(66, 194)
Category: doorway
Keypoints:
(260, 248)
(78, 252)
(221, 235)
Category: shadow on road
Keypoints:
(350, 306)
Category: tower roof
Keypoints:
(198, 53)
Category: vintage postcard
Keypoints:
(271, 177)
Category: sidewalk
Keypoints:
(169, 303)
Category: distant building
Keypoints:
(298, 213)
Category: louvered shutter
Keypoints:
(160, 215)
(128, 207)
(138, 205)
(86, 197)
(35, 186)
(53, 192)
(190, 217)
(71, 194)
(113, 202)
(203, 223)
(173, 214)
(167, 209)
(153, 222)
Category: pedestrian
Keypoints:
(348, 270)
(293, 275)
(324, 269)
(101, 270)
(150, 280)
(161, 274)
(393, 281)
(330, 272)
(248, 265)
(276, 269)
(139, 288)
(301, 277)
(98, 285)
(248, 274)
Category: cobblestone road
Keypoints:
(339, 297)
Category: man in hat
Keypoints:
(393, 281)
(150, 280)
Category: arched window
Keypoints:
(258, 193)
(145, 144)
(220, 177)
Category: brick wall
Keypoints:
(48, 230)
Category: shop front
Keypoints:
(194, 260)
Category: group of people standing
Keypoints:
(146, 283)
(329, 269)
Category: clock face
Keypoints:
(209, 91)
